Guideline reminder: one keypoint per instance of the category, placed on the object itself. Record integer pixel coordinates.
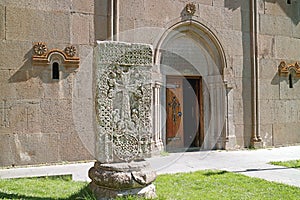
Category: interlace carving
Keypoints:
(123, 102)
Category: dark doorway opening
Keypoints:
(192, 112)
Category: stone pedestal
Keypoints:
(122, 179)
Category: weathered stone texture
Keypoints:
(286, 48)
(22, 149)
(2, 22)
(280, 136)
(82, 29)
(278, 25)
(86, 6)
(46, 5)
(36, 25)
(122, 179)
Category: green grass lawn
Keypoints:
(290, 163)
(196, 185)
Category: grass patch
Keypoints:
(289, 164)
(189, 186)
(44, 188)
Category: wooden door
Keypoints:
(174, 104)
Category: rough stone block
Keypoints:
(16, 55)
(46, 5)
(266, 112)
(278, 25)
(243, 89)
(232, 42)
(36, 25)
(287, 48)
(8, 156)
(285, 134)
(296, 31)
(266, 46)
(86, 6)
(30, 149)
(2, 22)
(56, 116)
(268, 70)
(286, 111)
(242, 112)
(286, 92)
(266, 133)
(268, 90)
(25, 116)
(82, 29)
(71, 147)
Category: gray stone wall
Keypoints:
(43, 120)
(279, 40)
(229, 21)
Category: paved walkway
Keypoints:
(248, 162)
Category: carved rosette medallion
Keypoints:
(40, 48)
(123, 101)
(70, 51)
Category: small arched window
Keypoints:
(291, 84)
(55, 71)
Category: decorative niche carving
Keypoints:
(285, 69)
(42, 56)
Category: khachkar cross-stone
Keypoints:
(123, 94)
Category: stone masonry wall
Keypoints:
(228, 20)
(279, 40)
(42, 120)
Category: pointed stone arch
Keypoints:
(189, 48)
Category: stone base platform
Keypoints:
(122, 179)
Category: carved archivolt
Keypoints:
(123, 101)
(285, 70)
(42, 56)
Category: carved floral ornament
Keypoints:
(190, 8)
(42, 56)
(285, 70)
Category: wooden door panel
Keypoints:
(174, 104)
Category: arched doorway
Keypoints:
(191, 62)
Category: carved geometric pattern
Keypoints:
(126, 54)
(42, 56)
(123, 101)
(285, 70)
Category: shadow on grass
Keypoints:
(213, 173)
(83, 194)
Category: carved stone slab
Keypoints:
(123, 101)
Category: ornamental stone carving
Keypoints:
(70, 51)
(42, 56)
(285, 69)
(40, 48)
(190, 8)
(123, 101)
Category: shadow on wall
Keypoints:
(291, 9)
(246, 104)
(43, 72)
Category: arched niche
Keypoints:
(189, 49)
(194, 47)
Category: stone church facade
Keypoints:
(225, 73)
